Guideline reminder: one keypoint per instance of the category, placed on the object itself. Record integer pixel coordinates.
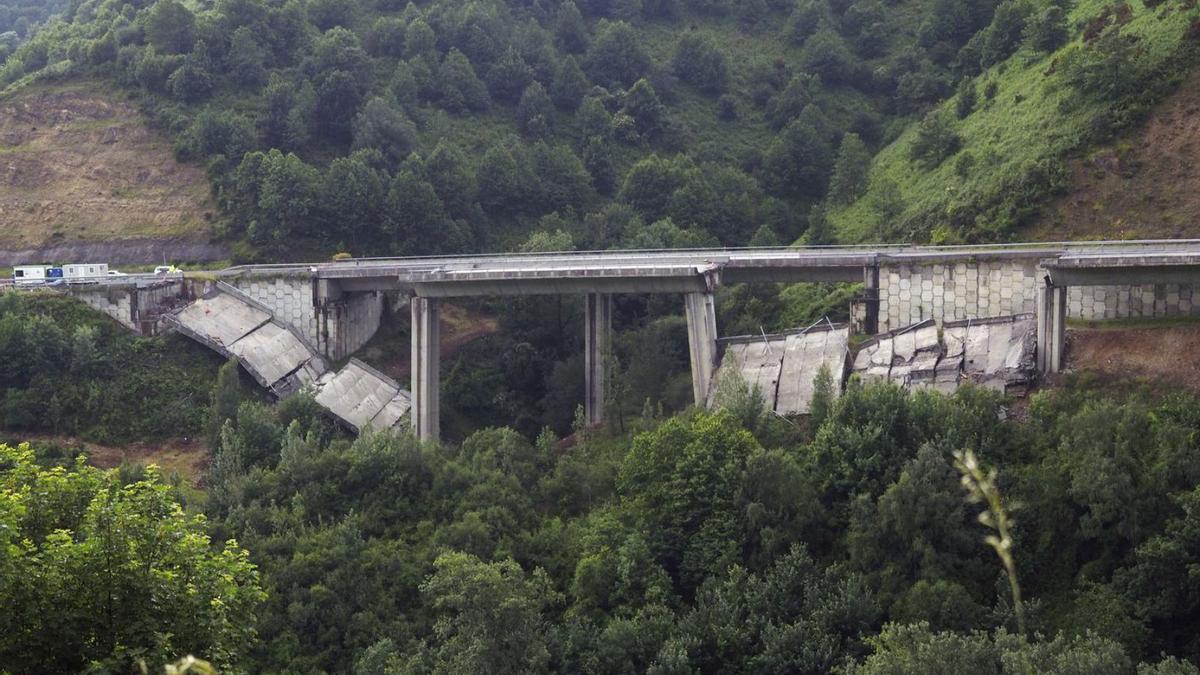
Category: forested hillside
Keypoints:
(370, 126)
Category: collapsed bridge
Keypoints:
(333, 308)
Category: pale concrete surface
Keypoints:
(784, 367)
(997, 352)
(222, 319)
(363, 398)
(803, 357)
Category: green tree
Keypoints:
(446, 169)
(798, 162)
(915, 648)
(489, 617)
(509, 77)
(503, 186)
(787, 105)
(352, 195)
(679, 484)
(460, 88)
(245, 61)
(936, 140)
(380, 126)
(643, 106)
(414, 211)
(698, 61)
(597, 159)
(825, 54)
(419, 39)
(850, 171)
(1047, 30)
(170, 27)
(339, 96)
(570, 32)
(616, 57)
(569, 86)
(964, 101)
(1003, 36)
(193, 80)
(535, 112)
(650, 183)
(226, 397)
(97, 574)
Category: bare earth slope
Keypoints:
(1146, 185)
(1157, 355)
(83, 176)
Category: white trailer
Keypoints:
(30, 275)
(85, 273)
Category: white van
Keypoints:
(85, 273)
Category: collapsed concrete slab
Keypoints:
(220, 320)
(362, 397)
(804, 356)
(784, 367)
(278, 358)
(997, 352)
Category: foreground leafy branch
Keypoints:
(981, 488)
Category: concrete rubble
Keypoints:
(997, 352)
(784, 367)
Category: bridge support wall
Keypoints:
(346, 324)
(425, 365)
(702, 342)
(289, 299)
(597, 332)
(956, 291)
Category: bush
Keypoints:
(935, 141)
(697, 61)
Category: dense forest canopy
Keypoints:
(716, 542)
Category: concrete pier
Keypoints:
(1051, 327)
(871, 299)
(597, 338)
(425, 364)
(702, 342)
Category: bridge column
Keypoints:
(1051, 327)
(597, 338)
(871, 299)
(702, 342)
(426, 360)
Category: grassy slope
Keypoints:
(1024, 124)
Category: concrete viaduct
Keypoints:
(336, 306)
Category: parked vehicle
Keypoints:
(84, 273)
(37, 275)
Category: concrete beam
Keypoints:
(702, 342)
(560, 286)
(1124, 275)
(425, 365)
(597, 331)
(792, 275)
